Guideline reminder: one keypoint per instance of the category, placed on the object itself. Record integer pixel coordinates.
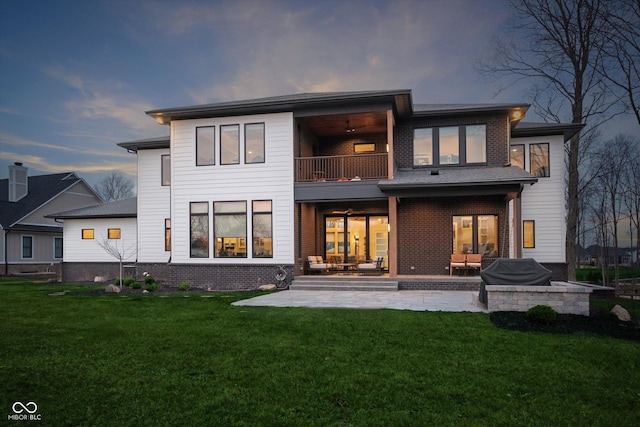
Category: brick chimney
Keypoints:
(18, 182)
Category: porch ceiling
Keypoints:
(336, 124)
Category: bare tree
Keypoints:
(557, 49)
(622, 51)
(115, 186)
(121, 254)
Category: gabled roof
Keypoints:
(567, 130)
(401, 100)
(127, 208)
(42, 188)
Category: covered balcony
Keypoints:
(355, 167)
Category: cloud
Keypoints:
(100, 100)
(85, 150)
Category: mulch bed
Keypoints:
(599, 322)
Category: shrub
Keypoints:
(135, 285)
(148, 279)
(153, 286)
(184, 286)
(541, 314)
(129, 281)
(116, 281)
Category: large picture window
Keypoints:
(477, 234)
(539, 160)
(166, 170)
(230, 144)
(262, 229)
(199, 229)
(27, 247)
(450, 145)
(230, 229)
(254, 143)
(205, 145)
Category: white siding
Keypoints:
(272, 180)
(153, 206)
(544, 203)
(77, 249)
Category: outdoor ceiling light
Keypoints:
(349, 129)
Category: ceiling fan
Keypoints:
(347, 212)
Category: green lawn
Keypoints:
(107, 360)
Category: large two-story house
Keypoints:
(241, 188)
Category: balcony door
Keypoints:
(356, 238)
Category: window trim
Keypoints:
(222, 214)
(548, 165)
(255, 213)
(31, 246)
(167, 234)
(164, 180)
(264, 137)
(533, 233)
(115, 231)
(462, 146)
(475, 232)
(222, 127)
(213, 129)
(88, 231)
(191, 215)
(55, 239)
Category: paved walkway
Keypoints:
(401, 300)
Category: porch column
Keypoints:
(393, 236)
(390, 124)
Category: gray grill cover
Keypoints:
(519, 272)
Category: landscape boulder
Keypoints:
(621, 313)
(112, 289)
(267, 287)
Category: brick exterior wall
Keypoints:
(497, 137)
(406, 284)
(239, 277)
(343, 145)
(425, 232)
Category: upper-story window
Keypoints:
(539, 159)
(205, 145)
(254, 143)
(229, 144)
(166, 170)
(517, 155)
(450, 145)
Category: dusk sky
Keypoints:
(77, 76)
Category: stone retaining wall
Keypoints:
(565, 298)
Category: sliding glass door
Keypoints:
(357, 238)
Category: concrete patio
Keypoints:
(451, 301)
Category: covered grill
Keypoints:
(508, 271)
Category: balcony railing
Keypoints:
(335, 168)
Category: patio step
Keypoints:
(343, 284)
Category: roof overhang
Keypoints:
(146, 144)
(400, 99)
(527, 129)
(457, 181)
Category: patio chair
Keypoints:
(457, 261)
(373, 267)
(474, 261)
(316, 263)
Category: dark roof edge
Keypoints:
(146, 144)
(568, 130)
(278, 104)
(472, 109)
(391, 186)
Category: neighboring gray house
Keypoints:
(30, 241)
